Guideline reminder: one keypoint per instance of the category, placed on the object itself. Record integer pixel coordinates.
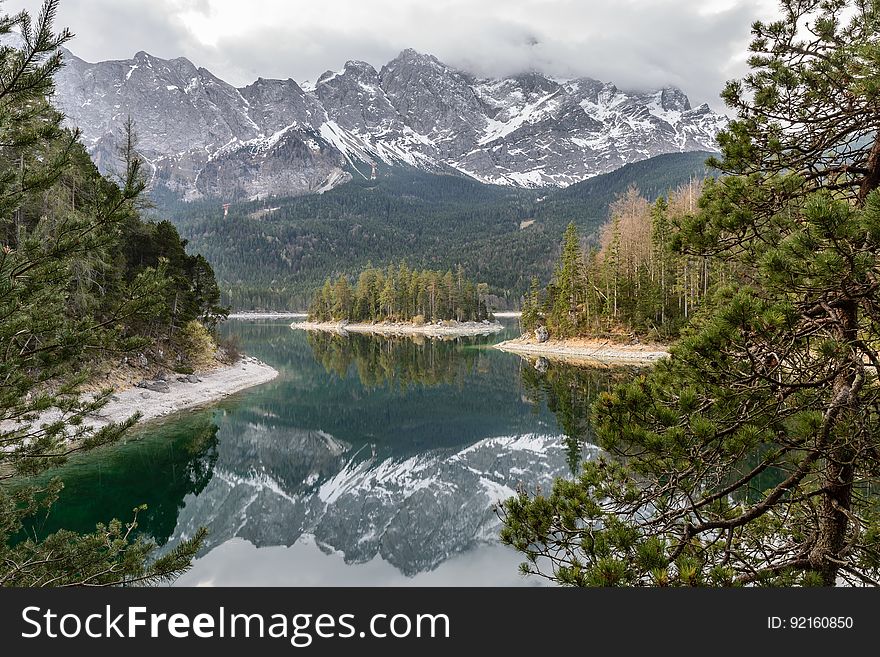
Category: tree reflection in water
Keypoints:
(156, 470)
(569, 391)
(403, 361)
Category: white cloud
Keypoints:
(637, 44)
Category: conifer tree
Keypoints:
(809, 106)
(61, 302)
(531, 306)
(749, 456)
(568, 284)
(342, 302)
(660, 239)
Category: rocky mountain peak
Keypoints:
(412, 57)
(271, 85)
(358, 67)
(674, 100)
(353, 98)
(434, 100)
(205, 137)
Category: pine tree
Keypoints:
(568, 284)
(531, 306)
(342, 299)
(613, 268)
(809, 106)
(661, 237)
(386, 299)
(749, 456)
(62, 302)
(459, 293)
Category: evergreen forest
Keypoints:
(273, 254)
(401, 294)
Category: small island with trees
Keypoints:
(398, 300)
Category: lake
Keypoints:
(368, 461)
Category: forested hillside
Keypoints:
(274, 254)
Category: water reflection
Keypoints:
(414, 512)
(158, 473)
(401, 361)
(569, 392)
(383, 455)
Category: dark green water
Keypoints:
(368, 461)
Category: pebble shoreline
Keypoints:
(602, 352)
(155, 399)
(453, 330)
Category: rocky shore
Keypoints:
(587, 350)
(437, 329)
(170, 393)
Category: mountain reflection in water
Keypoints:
(369, 460)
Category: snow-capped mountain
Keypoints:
(205, 138)
(414, 512)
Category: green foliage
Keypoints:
(749, 456)
(531, 306)
(636, 283)
(808, 107)
(191, 291)
(198, 345)
(69, 297)
(569, 284)
(401, 294)
(108, 556)
(277, 259)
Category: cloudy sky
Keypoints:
(637, 44)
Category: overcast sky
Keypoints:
(637, 44)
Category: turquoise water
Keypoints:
(368, 461)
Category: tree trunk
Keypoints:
(872, 179)
(173, 315)
(833, 520)
(839, 473)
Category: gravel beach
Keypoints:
(388, 328)
(155, 399)
(600, 351)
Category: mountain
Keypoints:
(204, 138)
(413, 512)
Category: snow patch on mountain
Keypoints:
(528, 130)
